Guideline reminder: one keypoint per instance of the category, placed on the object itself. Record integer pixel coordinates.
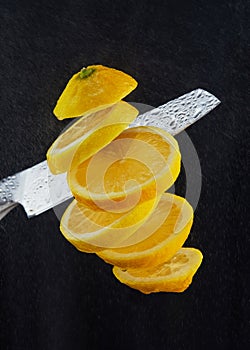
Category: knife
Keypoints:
(38, 190)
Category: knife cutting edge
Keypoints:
(32, 188)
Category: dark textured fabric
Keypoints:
(54, 297)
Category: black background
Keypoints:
(54, 297)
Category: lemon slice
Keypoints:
(91, 230)
(140, 164)
(158, 239)
(174, 275)
(93, 133)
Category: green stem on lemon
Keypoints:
(86, 72)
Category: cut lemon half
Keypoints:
(140, 164)
(158, 239)
(93, 88)
(174, 275)
(92, 133)
(91, 230)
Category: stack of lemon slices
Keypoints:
(119, 177)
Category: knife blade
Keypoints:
(38, 190)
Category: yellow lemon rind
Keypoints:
(158, 252)
(105, 87)
(176, 282)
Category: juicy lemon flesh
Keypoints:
(81, 127)
(83, 219)
(127, 166)
(128, 162)
(102, 229)
(174, 275)
(167, 268)
(89, 135)
(158, 239)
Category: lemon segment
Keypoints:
(158, 239)
(91, 134)
(93, 230)
(90, 92)
(141, 162)
(174, 275)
